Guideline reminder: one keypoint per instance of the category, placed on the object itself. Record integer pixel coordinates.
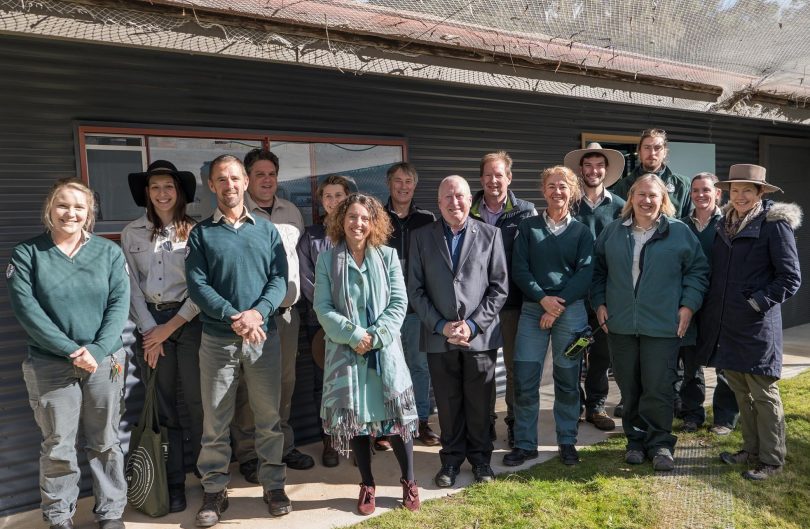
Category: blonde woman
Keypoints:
(649, 279)
(70, 292)
(552, 265)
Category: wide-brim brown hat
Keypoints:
(746, 173)
(615, 159)
(319, 348)
(139, 181)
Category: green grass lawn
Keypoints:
(604, 492)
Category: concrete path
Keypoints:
(326, 497)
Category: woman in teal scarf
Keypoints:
(360, 301)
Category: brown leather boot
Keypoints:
(365, 503)
(410, 495)
(427, 436)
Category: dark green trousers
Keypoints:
(644, 368)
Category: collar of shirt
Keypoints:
(448, 231)
(245, 217)
(631, 221)
(606, 196)
(554, 226)
(702, 225)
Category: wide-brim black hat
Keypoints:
(139, 181)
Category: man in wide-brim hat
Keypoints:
(139, 181)
(598, 169)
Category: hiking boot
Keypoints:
(214, 504)
(719, 429)
(427, 435)
(278, 502)
(737, 458)
(329, 458)
(113, 523)
(297, 460)
(446, 477)
(67, 524)
(762, 472)
(634, 457)
(568, 454)
(483, 473)
(250, 471)
(518, 456)
(601, 420)
(663, 462)
(410, 495)
(366, 503)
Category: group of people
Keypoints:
(398, 300)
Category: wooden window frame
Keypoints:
(266, 137)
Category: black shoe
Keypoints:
(483, 473)
(329, 458)
(689, 427)
(278, 502)
(569, 455)
(446, 476)
(618, 411)
(177, 498)
(510, 432)
(250, 471)
(214, 504)
(116, 523)
(67, 524)
(493, 435)
(297, 460)
(518, 456)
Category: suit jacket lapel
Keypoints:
(441, 244)
(469, 240)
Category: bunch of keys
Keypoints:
(115, 369)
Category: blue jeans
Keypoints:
(66, 399)
(220, 362)
(417, 364)
(531, 346)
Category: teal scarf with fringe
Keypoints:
(340, 404)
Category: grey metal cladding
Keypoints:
(49, 84)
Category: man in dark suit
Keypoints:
(457, 284)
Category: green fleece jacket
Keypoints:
(674, 273)
(544, 264)
(233, 270)
(64, 303)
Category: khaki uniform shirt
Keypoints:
(157, 272)
(290, 225)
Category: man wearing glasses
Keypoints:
(652, 152)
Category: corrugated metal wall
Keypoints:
(48, 84)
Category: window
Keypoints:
(108, 154)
